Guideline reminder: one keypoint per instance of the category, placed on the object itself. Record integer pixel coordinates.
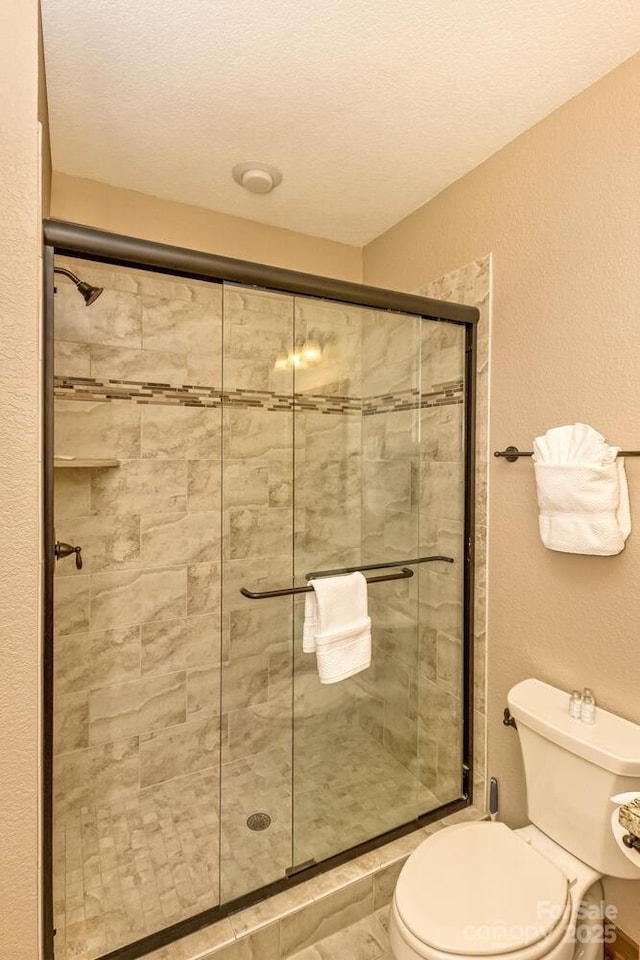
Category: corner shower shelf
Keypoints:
(86, 462)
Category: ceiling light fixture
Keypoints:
(256, 176)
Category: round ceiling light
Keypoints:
(256, 176)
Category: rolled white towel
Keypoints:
(582, 491)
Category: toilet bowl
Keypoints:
(482, 890)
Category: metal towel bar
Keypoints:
(404, 574)
(511, 454)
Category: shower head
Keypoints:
(88, 292)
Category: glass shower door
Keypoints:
(379, 473)
(334, 755)
(214, 437)
(136, 765)
(257, 553)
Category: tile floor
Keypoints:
(368, 939)
(127, 869)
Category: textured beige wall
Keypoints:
(139, 215)
(43, 117)
(19, 482)
(559, 210)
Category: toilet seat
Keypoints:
(480, 890)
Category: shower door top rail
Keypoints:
(76, 239)
(404, 574)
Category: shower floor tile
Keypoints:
(348, 791)
(127, 869)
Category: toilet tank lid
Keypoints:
(611, 742)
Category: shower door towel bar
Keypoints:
(511, 454)
(404, 574)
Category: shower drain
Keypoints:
(258, 821)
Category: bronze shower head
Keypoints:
(89, 292)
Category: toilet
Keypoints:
(484, 890)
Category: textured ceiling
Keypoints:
(369, 107)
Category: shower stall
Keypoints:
(217, 431)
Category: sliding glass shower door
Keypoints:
(257, 554)
(379, 480)
(137, 636)
(215, 442)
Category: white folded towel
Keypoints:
(582, 492)
(337, 626)
(310, 625)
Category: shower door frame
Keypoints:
(82, 242)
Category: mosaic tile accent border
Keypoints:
(188, 395)
(442, 395)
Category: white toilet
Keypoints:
(484, 890)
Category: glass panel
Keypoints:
(328, 535)
(257, 553)
(378, 465)
(137, 629)
(342, 769)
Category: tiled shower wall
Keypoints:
(150, 531)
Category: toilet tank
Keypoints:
(572, 770)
